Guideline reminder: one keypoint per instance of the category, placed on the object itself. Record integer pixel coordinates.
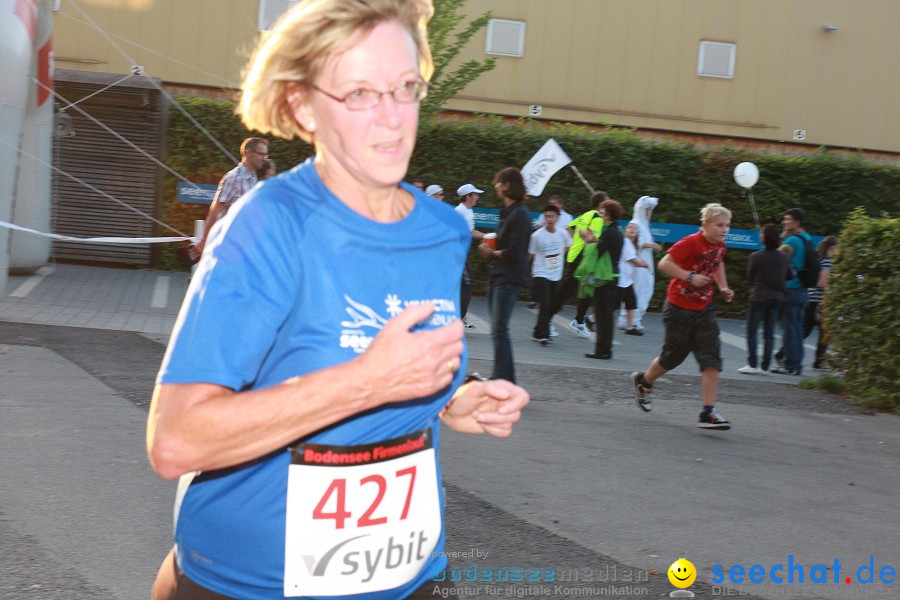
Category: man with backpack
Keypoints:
(798, 246)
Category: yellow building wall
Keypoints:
(622, 62)
(634, 63)
(197, 42)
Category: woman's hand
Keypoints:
(490, 407)
(588, 236)
(402, 365)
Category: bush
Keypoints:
(861, 318)
(684, 177)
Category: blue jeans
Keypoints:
(767, 313)
(501, 301)
(792, 322)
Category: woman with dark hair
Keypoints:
(508, 268)
(767, 270)
(813, 319)
(607, 250)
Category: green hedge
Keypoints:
(861, 317)
(451, 153)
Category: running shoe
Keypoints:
(713, 420)
(579, 328)
(748, 370)
(634, 331)
(467, 325)
(640, 392)
(553, 332)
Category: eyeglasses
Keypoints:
(408, 92)
(263, 154)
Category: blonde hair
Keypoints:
(711, 211)
(295, 49)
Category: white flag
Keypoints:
(542, 166)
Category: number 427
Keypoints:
(338, 489)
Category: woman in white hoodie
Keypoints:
(644, 279)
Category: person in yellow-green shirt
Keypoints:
(586, 228)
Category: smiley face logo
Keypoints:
(682, 573)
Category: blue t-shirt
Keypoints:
(294, 281)
(798, 258)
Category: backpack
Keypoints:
(809, 274)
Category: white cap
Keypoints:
(433, 189)
(465, 190)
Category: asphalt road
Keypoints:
(588, 486)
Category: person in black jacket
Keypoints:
(767, 270)
(610, 241)
(508, 268)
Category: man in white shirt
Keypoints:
(468, 197)
(563, 222)
(547, 250)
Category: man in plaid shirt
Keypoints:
(234, 184)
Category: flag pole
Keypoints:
(581, 177)
(753, 209)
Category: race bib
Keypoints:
(553, 260)
(360, 518)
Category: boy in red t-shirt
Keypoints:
(693, 263)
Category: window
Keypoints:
(716, 59)
(270, 10)
(505, 38)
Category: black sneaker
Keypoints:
(640, 392)
(783, 371)
(713, 420)
(779, 357)
(532, 305)
(634, 331)
(544, 341)
(590, 324)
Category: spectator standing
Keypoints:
(767, 271)
(266, 170)
(689, 317)
(796, 297)
(825, 250)
(592, 222)
(644, 279)
(234, 184)
(608, 247)
(628, 264)
(468, 198)
(508, 267)
(547, 250)
(565, 218)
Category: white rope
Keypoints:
(101, 90)
(94, 189)
(96, 240)
(118, 136)
(131, 61)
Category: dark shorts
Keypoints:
(627, 296)
(188, 590)
(690, 331)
